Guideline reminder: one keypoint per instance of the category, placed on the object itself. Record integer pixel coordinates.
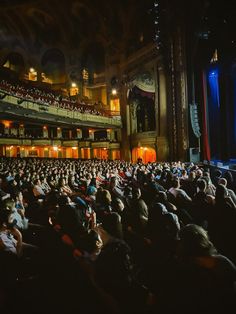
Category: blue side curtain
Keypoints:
(214, 112)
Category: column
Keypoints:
(45, 131)
(181, 95)
(91, 135)
(162, 110)
(79, 152)
(113, 138)
(109, 134)
(70, 134)
(59, 133)
(110, 154)
(79, 133)
(133, 117)
(21, 130)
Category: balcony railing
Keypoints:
(114, 121)
(58, 142)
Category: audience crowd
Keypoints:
(96, 236)
(49, 98)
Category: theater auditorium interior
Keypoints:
(117, 156)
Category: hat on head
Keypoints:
(91, 190)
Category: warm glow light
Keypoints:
(32, 70)
(114, 91)
(145, 148)
(55, 148)
(58, 128)
(32, 147)
(44, 127)
(73, 84)
(74, 147)
(6, 124)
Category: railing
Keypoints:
(58, 142)
(85, 117)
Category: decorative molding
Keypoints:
(43, 142)
(70, 143)
(84, 144)
(100, 145)
(114, 146)
(56, 143)
(10, 141)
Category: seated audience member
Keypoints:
(118, 206)
(162, 198)
(151, 188)
(90, 244)
(224, 182)
(222, 223)
(45, 186)
(119, 281)
(215, 285)
(112, 225)
(217, 174)
(4, 195)
(201, 279)
(115, 189)
(70, 218)
(138, 212)
(64, 188)
(210, 187)
(38, 190)
(230, 180)
(16, 215)
(179, 196)
(10, 236)
(13, 188)
(103, 201)
(202, 204)
(91, 193)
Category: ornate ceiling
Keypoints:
(32, 27)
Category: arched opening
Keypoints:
(146, 154)
(53, 66)
(144, 114)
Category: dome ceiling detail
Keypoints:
(34, 26)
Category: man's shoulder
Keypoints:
(231, 191)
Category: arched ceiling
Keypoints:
(34, 26)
